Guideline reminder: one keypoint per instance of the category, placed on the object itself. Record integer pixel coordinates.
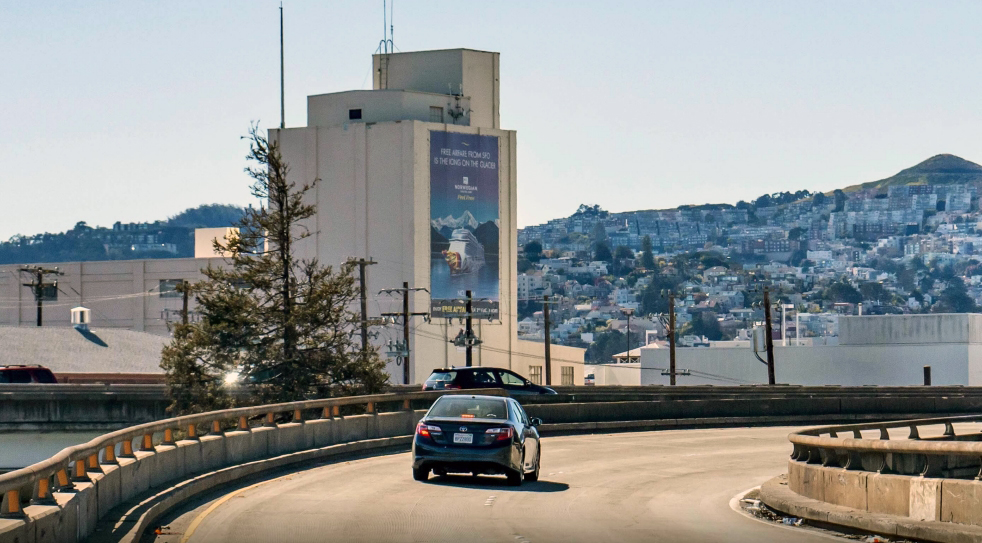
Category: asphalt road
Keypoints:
(672, 486)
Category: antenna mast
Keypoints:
(282, 96)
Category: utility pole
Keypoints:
(364, 302)
(671, 337)
(545, 317)
(470, 332)
(282, 96)
(38, 285)
(768, 338)
(185, 289)
(405, 315)
(628, 313)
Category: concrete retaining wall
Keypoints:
(917, 498)
(75, 515)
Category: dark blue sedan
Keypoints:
(477, 435)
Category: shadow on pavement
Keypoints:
(487, 482)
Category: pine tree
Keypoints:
(282, 323)
(647, 257)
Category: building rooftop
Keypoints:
(67, 350)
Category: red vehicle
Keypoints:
(26, 375)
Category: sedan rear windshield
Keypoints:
(15, 376)
(442, 376)
(469, 408)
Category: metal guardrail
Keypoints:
(948, 455)
(73, 463)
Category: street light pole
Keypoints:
(545, 316)
(768, 338)
(671, 337)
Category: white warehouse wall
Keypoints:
(885, 364)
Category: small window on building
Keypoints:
(567, 375)
(436, 114)
(535, 374)
(168, 288)
(354, 114)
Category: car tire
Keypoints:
(534, 476)
(515, 477)
(421, 474)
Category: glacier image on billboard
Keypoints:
(464, 224)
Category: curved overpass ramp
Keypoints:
(672, 486)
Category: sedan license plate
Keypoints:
(463, 438)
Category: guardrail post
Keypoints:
(193, 432)
(216, 427)
(44, 496)
(270, 420)
(949, 430)
(147, 444)
(854, 462)
(407, 405)
(326, 413)
(335, 411)
(94, 466)
(13, 508)
(297, 416)
(370, 408)
(244, 424)
(64, 483)
(932, 466)
(109, 454)
(127, 449)
(168, 437)
(79, 474)
(884, 435)
(913, 432)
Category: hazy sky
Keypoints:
(133, 110)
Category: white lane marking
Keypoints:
(490, 501)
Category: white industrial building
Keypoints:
(872, 350)
(377, 156)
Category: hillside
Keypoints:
(937, 170)
(159, 239)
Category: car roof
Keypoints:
(22, 367)
(474, 397)
(466, 368)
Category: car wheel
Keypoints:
(421, 474)
(515, 477)
(534, 476)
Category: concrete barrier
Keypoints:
(926, 489)
(70, 492)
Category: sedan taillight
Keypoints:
(427, 430)
(501, 434)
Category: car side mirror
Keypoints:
(535, 421)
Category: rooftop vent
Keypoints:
(81, 317)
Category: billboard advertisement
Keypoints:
(464, 224)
